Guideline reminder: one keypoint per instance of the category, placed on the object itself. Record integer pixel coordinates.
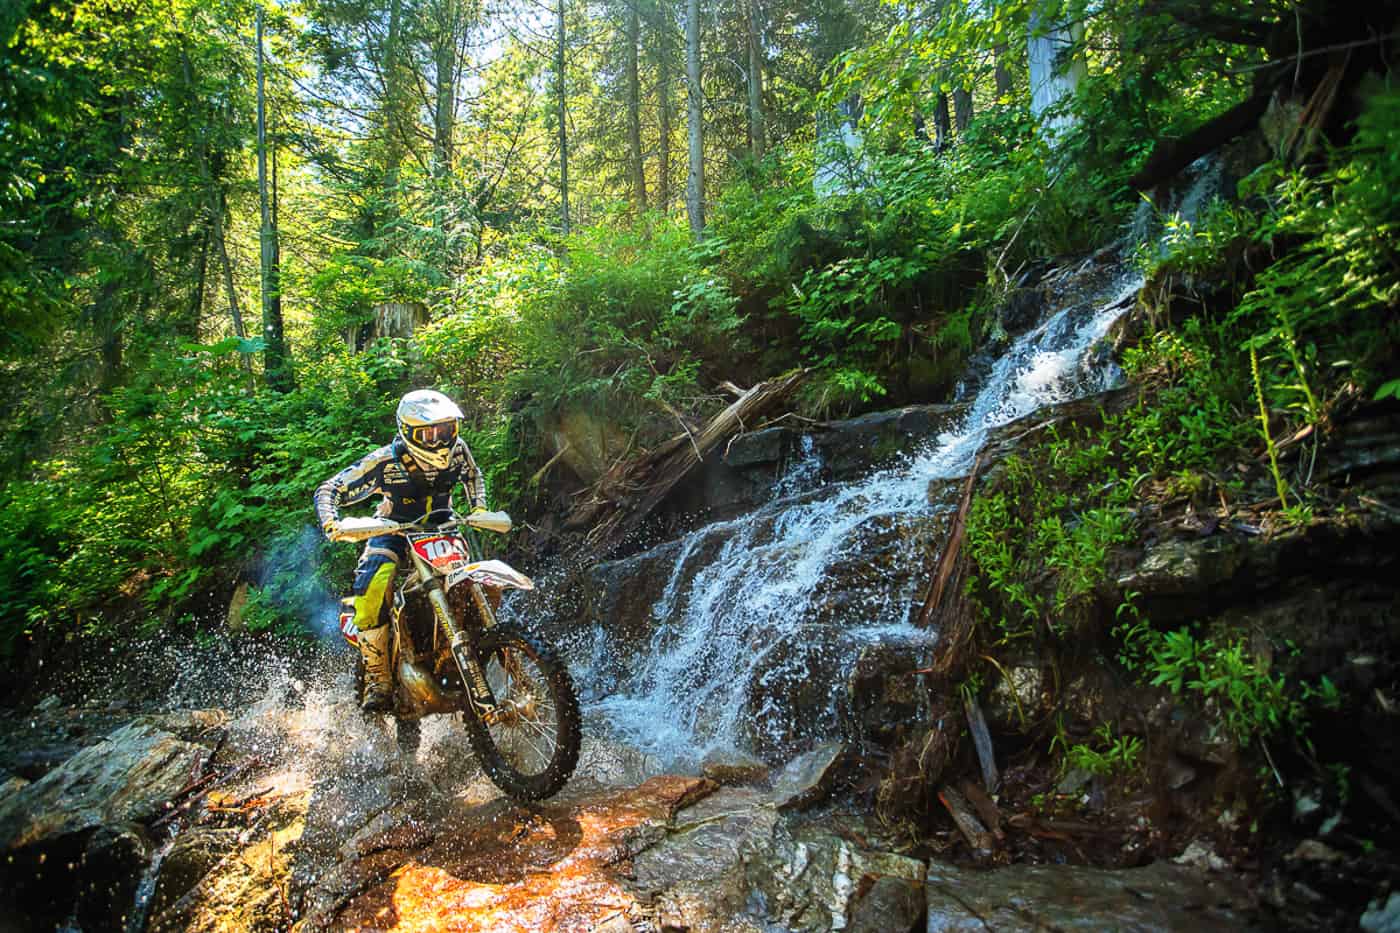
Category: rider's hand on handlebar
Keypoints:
(332, 529)
(477, 509)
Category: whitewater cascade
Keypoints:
(742, 618)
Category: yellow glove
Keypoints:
(332, 529)
(478, 508)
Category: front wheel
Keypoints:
(528, 745)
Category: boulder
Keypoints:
(695, 875)
(236, 615)
(247, 888)
(1160, 897)
(809, 777)
(192, 855)
(755, 448)
(128, 777)
(853, 447)
(74, 840)
(729, 767)
(813, 880)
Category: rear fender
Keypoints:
(492, 573)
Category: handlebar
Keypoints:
(360, 529)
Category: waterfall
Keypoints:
(762, 616)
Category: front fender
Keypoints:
(493, 573)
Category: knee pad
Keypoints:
(369, 605)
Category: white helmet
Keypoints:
(428, 423)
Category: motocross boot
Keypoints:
(379, 690)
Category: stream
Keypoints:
(255, 797)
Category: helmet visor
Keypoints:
(434, 436)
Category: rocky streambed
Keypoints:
(293, 813)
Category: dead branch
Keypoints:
(627, 493)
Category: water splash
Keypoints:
(759, 615)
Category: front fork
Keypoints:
(463, 652)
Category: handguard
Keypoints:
(498, 522)
(361, 529)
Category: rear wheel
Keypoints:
(529, 743)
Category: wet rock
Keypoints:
(883, 694)
(1160, 897)
(813, 880)
(246, 889)
(850, 448)
(695, 876)
(1014, 702)
(127, 777)
(1380, 918)
(1186, 567)
(499, 866)
(1200, 854)
(192, 725)
(809, 777)
(34, 763)
(192, 855)
(729, 767)
(1020, 309)
(758, 447)
(615, 764)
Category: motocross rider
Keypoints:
(415, 474)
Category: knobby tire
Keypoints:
(547, 781)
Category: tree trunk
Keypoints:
(393, 132)
(942, 123)
(217, 209)
(221, 246)
(635, 167)
(1003, 74)
(962, 109)
(695, 178)
(1055, 72)
(276, 366)
(663, 106)
(196, 311)
(445, 98)
(758, 128)
(563, 124)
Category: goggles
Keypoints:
(434, 436)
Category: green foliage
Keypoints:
(1106, 755)
(1040, 538)
(1253, 702)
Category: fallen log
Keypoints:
(629, 492)
(1172, 155)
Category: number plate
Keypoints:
(441, 551)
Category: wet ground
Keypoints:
(289, 810)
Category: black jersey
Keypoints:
(409, 490)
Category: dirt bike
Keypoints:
(448, 654)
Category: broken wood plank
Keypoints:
(985, 806)
(948, 560)
(982, 741)
(966, 820)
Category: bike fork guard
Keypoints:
(464, 653)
